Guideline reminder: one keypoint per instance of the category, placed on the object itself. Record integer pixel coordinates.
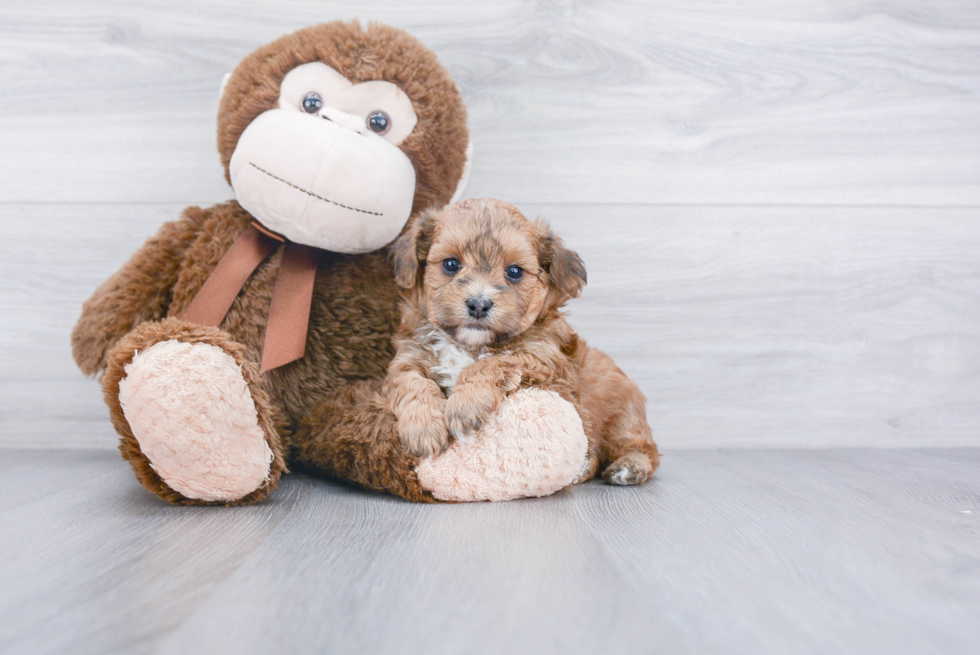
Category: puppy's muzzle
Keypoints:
(478, 307)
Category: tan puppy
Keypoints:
(483, 289)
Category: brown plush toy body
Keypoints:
(331, 137)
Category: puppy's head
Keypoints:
(482, 272)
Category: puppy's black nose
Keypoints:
(478, 307)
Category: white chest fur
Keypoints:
(451, 358)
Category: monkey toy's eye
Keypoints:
(514, 273)
(312, 103)
(379, 122)
(451, 266)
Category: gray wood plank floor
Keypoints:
(831, 551)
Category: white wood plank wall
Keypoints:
(777, 202)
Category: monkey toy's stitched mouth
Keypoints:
(310, 193)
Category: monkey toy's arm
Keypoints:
(138, 292)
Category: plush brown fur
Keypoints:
(354, 311)
(522, 341)
(437, 145)
(352, 435)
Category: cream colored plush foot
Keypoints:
(192, 413)
(533, 445)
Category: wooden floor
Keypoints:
(765, 551)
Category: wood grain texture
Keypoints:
(744, 326)
(864, 102)
(851, 551)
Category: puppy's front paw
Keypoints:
(423, 431)
(469, 407)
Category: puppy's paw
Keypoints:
(630, 469)
(510, 379)
(469, 407)
(423, 431)
(588, 469)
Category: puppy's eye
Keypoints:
(514, 273)
(312, 103)
(451, 266)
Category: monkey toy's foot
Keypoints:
(533, 445)
(194, 425)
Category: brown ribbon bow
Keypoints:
(292, 295)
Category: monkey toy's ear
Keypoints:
(409, 251)
(465, 177)
(566, 272)
(224, 84)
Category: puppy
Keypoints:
(483, 287)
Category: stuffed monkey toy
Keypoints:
(251, 337)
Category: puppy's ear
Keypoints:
(409, 251)
(566, 272)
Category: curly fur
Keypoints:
(523, 341)
(324, 412)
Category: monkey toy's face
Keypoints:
(333, 135)
(324, 168)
